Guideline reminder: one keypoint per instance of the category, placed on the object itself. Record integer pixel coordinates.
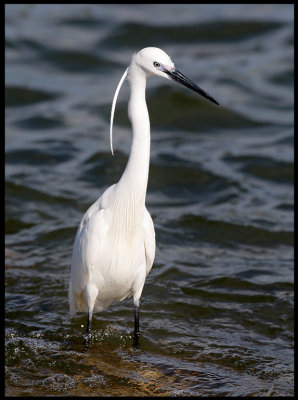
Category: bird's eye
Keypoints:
(156, 64)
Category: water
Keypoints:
(217, 308)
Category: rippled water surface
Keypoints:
(217, 308)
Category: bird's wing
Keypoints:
(100, 204)
(89, 238)
(149, 240)
(86, 249)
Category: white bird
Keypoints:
(114, 246)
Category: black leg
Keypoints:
(137, 328)
(88, 330)
(87, 338)
(137, 325)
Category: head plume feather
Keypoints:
(113, 107)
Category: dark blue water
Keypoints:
(217, 308)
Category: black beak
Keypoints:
(179, 77)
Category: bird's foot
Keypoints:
(87, 340)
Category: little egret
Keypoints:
(114, 246)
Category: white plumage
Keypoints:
(115, 243)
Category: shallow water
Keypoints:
(217, 308)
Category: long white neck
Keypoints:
(135, 176)
(129, 200)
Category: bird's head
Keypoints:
(152, 61)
